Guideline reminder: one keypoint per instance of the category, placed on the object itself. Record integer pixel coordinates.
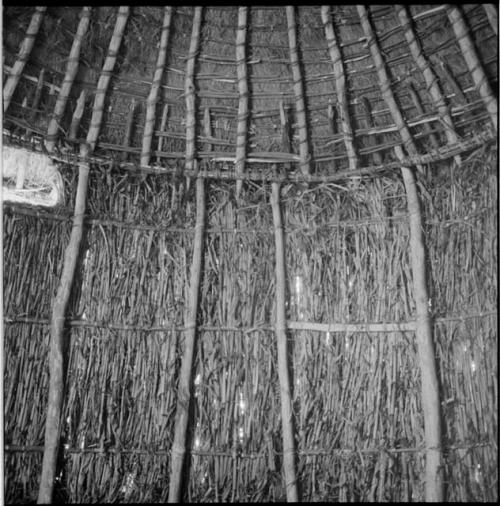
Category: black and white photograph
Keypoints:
(249, 253)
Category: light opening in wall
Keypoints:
(299, 297)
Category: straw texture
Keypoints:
(187, 320)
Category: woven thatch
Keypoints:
(155, 299)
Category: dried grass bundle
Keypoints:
(30, 178)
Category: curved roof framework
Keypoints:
(180, 287)
(352, 83)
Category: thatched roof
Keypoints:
(271, 270)
(269, 80)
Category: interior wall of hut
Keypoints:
(352, 356)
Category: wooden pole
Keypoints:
(423, 334)
(22, 58)
(492, 13)
(431, 79)
(56, 358)
(298, 88)
(284, 379)
(473, 63)
(189, 91)
(385, 83)
(340, 86)
(105, 77)
(155, 88)
(241, 69)
(69, 78)
(352, 327)
(184, 387)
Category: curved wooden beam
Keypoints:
(69, 77)
(340, 86)
(22, 58)
(431, 79)
(473, 63)
(105, 77)
(298, 88)
(385, 83)
(241, 69)
(149, 124)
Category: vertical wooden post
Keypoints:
(385, 83)
(340, 86)
(155, 88)
(184, 387)
(241, 69)
(56, 358)
(473, 63)
(298, 88)
(423, 334)
(22, 58)
(105, 77)
(431, 80)
(284, 378)
(69, 77)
